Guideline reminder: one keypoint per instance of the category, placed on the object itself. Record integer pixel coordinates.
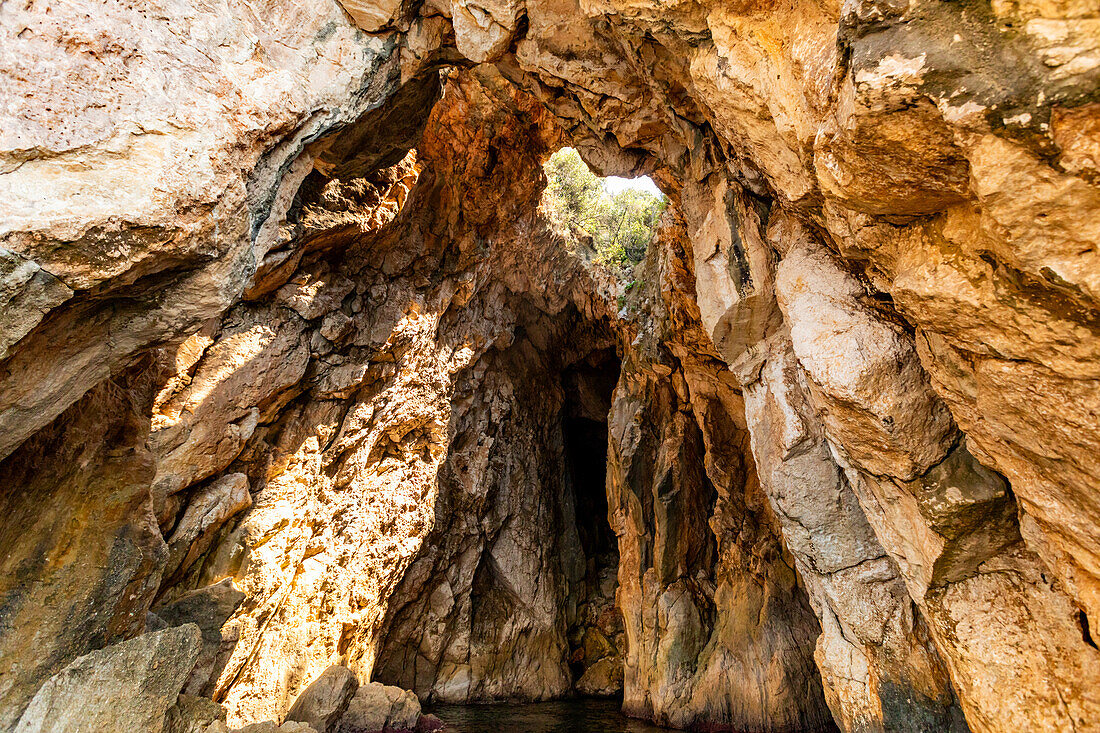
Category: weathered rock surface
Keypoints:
(334, 399)
(323, 703)
(175, 151)
(718, 629)
(82, 574)
(193, 714)
(128, 686)
(377, 707)
(208, 608)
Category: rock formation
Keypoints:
(291, 350)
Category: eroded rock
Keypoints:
(128, 686)
(377, 707)
(852, 449)
(192, 714)
(323, 703)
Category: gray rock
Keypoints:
(325, 700)
(376, 707)
(209, 608)
(124, 688)
(154, 622)
(192, 714)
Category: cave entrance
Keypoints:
(593, 621)
(615, 216)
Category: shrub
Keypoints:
(621, 226)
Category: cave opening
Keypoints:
(594, 622)
(617, 216)
(304, 383)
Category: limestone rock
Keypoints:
(205, 514)
(202, 424)
(874, 392)
(209, 608)
(851, 454)
(873, 672)
(193, 714)
(602, 679)
(378, 707)
(323, 703)
(83, 574)
(169, 231)
(125, 687)
(27, 293)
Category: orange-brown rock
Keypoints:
(288, 342)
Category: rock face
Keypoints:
(125, 687)
(290, 350)
(84, 573)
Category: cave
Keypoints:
(594, 626)
(318, 416)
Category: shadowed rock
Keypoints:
(127, 687)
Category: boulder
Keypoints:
(193, 714)
(378, 707)
(602, 679)
(124, 688)
(429, 723)
(325, 700)
(209, 608)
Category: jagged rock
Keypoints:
(209, 608)
(377, 707)
(206, 512)
(871, 668)
(154, 622)
(202, 423)
(169, 231)
(193, 714)
(323, 703)
(680, 510)
(125, 687)
(27, 293)
(602, 679)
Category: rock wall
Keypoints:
(289, 350)
(358, 393)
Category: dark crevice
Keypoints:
(595, 631)
(1086, 635)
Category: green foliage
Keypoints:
(620, 225)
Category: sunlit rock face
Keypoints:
(367, 385)
(289, 350)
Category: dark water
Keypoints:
(563, 716)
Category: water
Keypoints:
(562, 716)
